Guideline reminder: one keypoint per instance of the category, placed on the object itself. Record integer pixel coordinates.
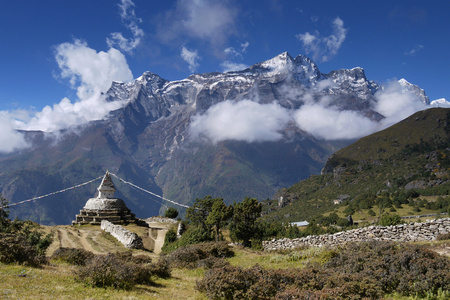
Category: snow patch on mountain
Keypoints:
(442, 102)
(414, 89)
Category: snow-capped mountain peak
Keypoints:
(442, 102)
(279, 61)
(414, 89)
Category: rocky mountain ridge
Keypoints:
(148, 141)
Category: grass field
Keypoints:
(57, 281)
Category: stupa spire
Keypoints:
(106, 188)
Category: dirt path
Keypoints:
(85, 238)
(64, 239)
(85, 243)
(91, 238)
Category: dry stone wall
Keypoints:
(426, 231)
(127, 238)
(161, 220)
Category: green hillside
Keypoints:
(384, 171)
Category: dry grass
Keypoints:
(58, 282)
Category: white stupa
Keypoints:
(104, 206)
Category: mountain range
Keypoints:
(229, 135)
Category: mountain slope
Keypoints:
(411, 156)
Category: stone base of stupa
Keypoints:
(95, 217)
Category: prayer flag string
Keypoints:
(50, 194)
(144, 190)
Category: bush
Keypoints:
(15, 248)
(171, 213)
(355, 271)
(141, 259)
(73, 256)
(160, 269)
(212, 262)
(106, 270)
(171, 236)
(110, 270)
(388, 220)
(228, 282)
(193, 235)
(443, 237)
(189, 256)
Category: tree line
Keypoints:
(209, 218)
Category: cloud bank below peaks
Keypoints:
(241, 121)
(251, 121)
(10, 139)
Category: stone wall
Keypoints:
(127, 238)
(161, 220)
(426, 231)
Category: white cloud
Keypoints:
(309, 40)
(231, 52)
(332, 124)
(90, 73)
(244, 46)
(395, 104)
(207, 20)
(228, 66)
(10, 139)
(324, 48)
(191, 57)
(414, 50)
(242, 121)
(128, 17)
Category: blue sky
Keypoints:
(56, 53)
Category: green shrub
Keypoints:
(73, 256)
(171, 213)
(192, 236)
(15, 248)
(171, 236)
(388, 220)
